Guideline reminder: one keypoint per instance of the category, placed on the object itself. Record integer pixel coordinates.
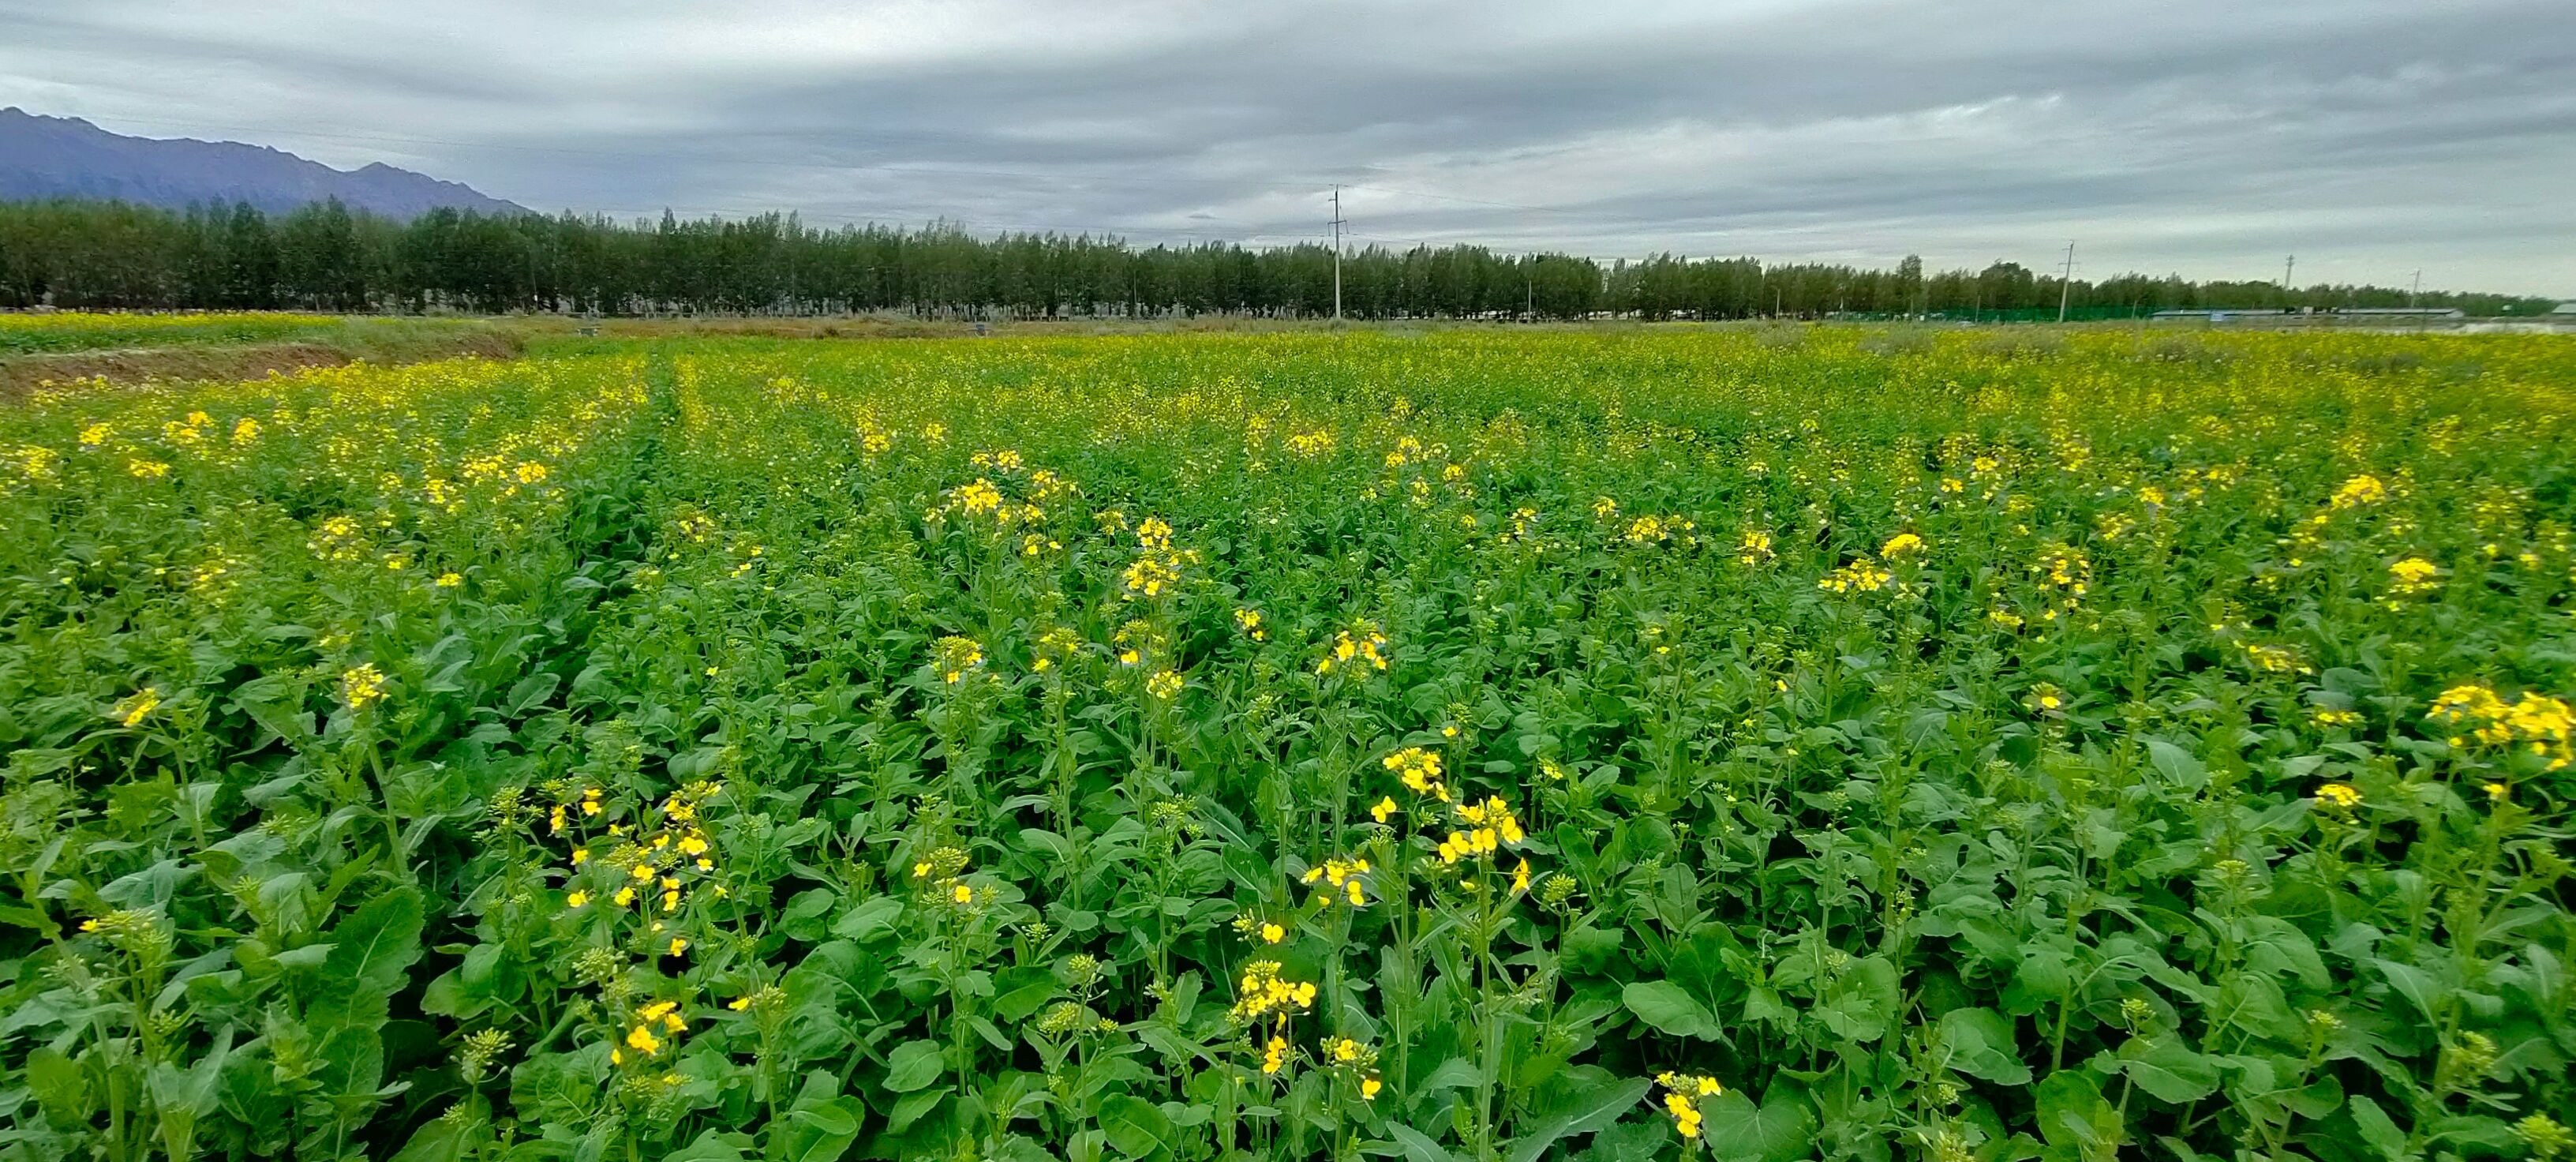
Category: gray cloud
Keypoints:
(2371, 137)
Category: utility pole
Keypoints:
(2288, 264)
(1337, 254)
(1529, 293)
(2066, 280)
(2417, 291)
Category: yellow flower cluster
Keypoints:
(2272, 659)
(1901, 545)
(263, 322)
(1264, 995)
(1420, 771)
(1861, 576)
(1249, 621)
(1351, 1056)
(362, 685)
(2341, 797)
(2535, 723)
(953, 656)
(1136, 639)
(137, 706)
(1682, 1094)
(649, 867)
(1362, 643)
(34, 461)
(1653, 530)
(979, 498)
(1482, 830)
(1343, 879)
(2358, 491)
(2065, 568)
(1154, 571)
(646, 1035)
(1158, 567)
(2413, 576)
(587, 805)
(337, 538)
(1054, 646)
(943, 871)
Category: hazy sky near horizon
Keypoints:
(2209, 139)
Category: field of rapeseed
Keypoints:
(83, 331)
(1618, 746)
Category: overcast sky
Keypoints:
(2211, 139)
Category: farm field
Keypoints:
(82, 331)
(56, 348)
(1731, 743)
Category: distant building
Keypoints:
(2220, 315)
(2402, 312)
(2310, 316)
(2564, 313)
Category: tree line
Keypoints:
(327, 257)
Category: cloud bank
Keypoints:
(2370, 139)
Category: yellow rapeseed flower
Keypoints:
(2360, 490)
(1419, 770)
(137, 706)
(2414, 575)
(362, 685)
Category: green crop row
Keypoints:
(1759, 744)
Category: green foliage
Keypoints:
(70, 253)
(24, 334)
(1759, 745)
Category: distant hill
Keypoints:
(66, 157)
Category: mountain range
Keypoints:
(66, 157)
